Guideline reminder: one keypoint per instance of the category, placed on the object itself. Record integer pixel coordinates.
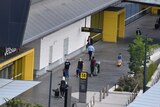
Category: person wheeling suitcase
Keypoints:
(119, 62)
(63, 86)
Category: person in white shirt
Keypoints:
(90, 50)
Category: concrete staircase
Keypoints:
(114, 99)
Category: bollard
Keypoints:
(100, 96)
(130, 99)
(93, 99)
(104, 93)
(91, 103)
(107, 90)
(87, 105)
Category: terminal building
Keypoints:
(58, 29)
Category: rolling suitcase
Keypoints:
(56, 92)
(156, 26)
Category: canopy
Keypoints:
(151, 98)
(12, 88)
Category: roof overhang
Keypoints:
(12, 88)
(49, 16)
(151, 98)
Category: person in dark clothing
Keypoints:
(66, 68)
(63, 86)
(79, 67)
(89, 41)
(92, 65)
(138, 31)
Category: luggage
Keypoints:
(156, 26)
(56, 92)
(95, 71)
(119, 63)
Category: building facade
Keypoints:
(53, 49)
(54, 32)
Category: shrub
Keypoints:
(127, 83)
(150, 71)
(16, 102)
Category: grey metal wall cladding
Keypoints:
(48, 16)
(13, 19)
(148, 2)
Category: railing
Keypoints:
(133, 95)
(92, 101)
(74, 104)
(103, 93)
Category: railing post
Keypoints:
(100, 96)
(91, 103)
(104, 93)
(107, 90)
(93, 99)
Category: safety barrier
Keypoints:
(74, 104)
(103, 93)
(92, 101)
(133, 95)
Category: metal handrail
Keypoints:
(133, 95)
(92, 101)
(74, 104)
(103, 93)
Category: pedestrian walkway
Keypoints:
(109, 74)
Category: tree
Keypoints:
(137, 50)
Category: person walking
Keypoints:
(90, 50)
(66, 68)
(79, 67)
(92, 65)
(138, 32)
(63, 86)
(90, 40)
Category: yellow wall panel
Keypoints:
(22, 64)
(15, 58)
(28, 66)
(121, 24)
(114, 25)
(154, 10)
(110, 26)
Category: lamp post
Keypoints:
(50, 87)
(145, 68)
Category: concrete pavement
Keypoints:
(107, 54)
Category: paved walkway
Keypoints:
(107, 54)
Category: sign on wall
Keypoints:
(7, 51)
(14, 15)
(94, 30)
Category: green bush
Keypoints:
(126, 84)
(150, 70)
(16, 102)
(119, 89)
(139, 79)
